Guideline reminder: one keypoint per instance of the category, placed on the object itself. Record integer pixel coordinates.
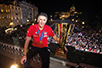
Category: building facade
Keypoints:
(64, 15)
(16, 15)
(10, 13)
(29, 12)
(72, 15)
(5, 17)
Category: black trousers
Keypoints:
(44, 54)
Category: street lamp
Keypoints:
(72, 19)
(83, 23)
(76, 20)
(27, 20)
(35, 19)
(11, 24)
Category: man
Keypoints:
(40, 33)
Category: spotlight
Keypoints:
(14, 66)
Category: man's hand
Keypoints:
(23, 59)
(56, 38)
(66, 49)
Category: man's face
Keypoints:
(42, 20)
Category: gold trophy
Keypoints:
(64, 28)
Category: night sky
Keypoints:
(51, 6)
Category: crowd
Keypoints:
(86, 40)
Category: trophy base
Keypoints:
(60, 53)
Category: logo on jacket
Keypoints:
(35, 32)
(45, 32)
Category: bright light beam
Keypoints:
(14, 66)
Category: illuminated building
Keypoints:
(64, 15)
(72, 8)
(5, 17)
(17, 12)
(72, 15)
(29, 12)
(16, 16)
(10, 13)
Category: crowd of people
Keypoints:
(86, 40)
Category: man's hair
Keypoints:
(43, 14)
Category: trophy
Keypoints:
(64, 28)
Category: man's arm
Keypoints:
(26, 44)
(56, 38)
(23, 59)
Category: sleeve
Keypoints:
(29, 32)
(51, 33)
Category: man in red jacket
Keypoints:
(40, 33)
